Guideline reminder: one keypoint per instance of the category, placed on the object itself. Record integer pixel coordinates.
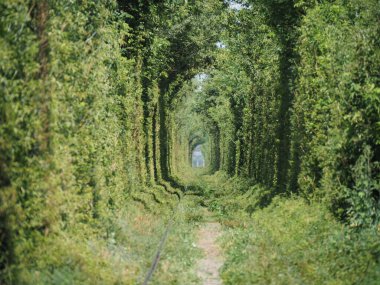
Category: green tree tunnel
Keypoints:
(102, 104)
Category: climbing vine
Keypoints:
(102, 103)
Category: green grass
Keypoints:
(85, 256)
(288, 242)
(179, 257)
(291, 242)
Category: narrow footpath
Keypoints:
(212, 260)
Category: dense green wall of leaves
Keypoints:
(337, 109)
(71, 116)
(293, 101)
(86, 89)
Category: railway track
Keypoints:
(161, 245)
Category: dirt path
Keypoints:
(209, 265)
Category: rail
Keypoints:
(164, 237)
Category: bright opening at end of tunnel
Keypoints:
(198, 159)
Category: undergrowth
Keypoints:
(84, 257)
(286, 240)
(124, 256)
(179, 257)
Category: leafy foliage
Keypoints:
(291, 242)
(335, 114)
(292, 102)
(100, 111)
(83, 129)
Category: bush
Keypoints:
(292, 242)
